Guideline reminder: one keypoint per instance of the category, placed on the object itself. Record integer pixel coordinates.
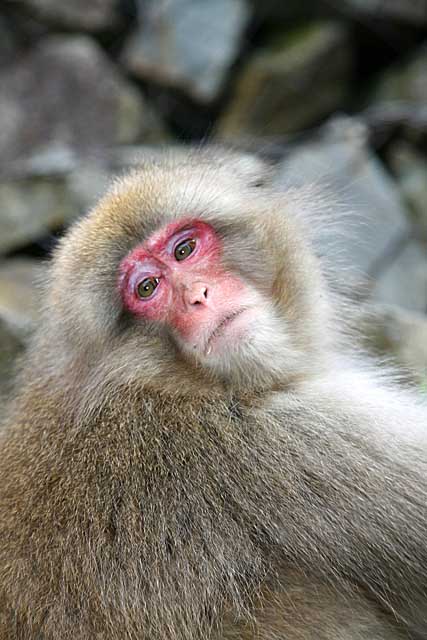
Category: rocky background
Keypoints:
(333, 92)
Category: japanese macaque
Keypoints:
(191, 453)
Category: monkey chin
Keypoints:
(234, 329)
(248, 347)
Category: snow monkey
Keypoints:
(191, 453)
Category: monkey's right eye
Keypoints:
(184, 249)
(146, 288)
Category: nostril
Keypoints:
(198, 295)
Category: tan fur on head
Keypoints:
(261, 241)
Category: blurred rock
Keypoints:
(410, 168)
(404, 281)
(392, 331)
(358, 197)
(31, 208)
(20, 281)
(388, 119)
(10, 348)
(187, 44)
(8, 47)
(274, 11)
(292, 83)
(20, 285)
(406, 82)
(403, 90)
(410, 11)
(55, 160)
(76, 14)
(46, 191)
(66, 92)
(89, 182)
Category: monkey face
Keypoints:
(189, 267)
(177, 278)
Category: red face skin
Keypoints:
(195, 296)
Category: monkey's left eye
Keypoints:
(184, 249)
(146, 288)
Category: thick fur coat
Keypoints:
(146, 497)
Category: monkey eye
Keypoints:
(146, 288)
(184, 249)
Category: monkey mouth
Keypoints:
(221, 328)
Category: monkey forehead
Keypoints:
(192, 183)
(156, 197)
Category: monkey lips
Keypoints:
(232, 327)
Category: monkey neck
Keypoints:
(87, 382)
(217, 488)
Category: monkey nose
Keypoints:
(196, 293)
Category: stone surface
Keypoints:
(21, 281)
(403, 335)
(66, 92)
(8, 47)
(299, 78)
(31, 208)
(365, 219)
(410, 168)
(187, 44)
(388, 119)
(405, 82)
(54, 160)
(400, 93)
(404, 281)
(76, 14)
(10, 348)
(410, 11)
(89, 182)
(47, 190)
(277, 11)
